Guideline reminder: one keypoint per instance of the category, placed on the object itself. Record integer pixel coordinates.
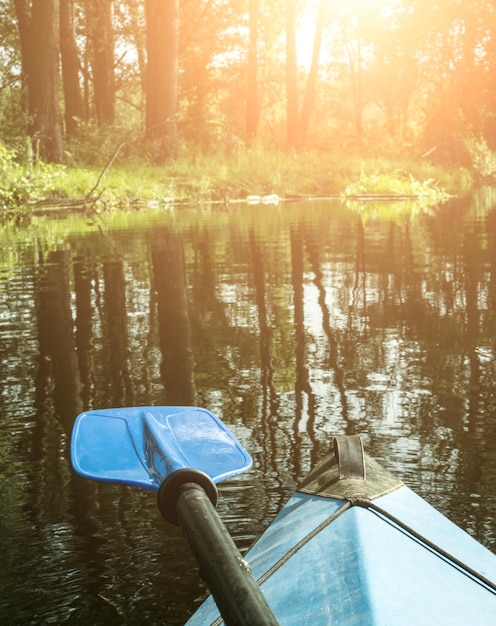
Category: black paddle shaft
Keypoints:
(229, 579)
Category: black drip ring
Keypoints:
(171, 488)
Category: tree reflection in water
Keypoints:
(292, 323)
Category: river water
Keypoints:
(292, 323)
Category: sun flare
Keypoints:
(331, 16)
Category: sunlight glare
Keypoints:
(353, 10)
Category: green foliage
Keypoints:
(391, 73)
(483, 158)
(94, 145)
(14, 119)
(388, 77)
(258, 171)
(24, 183)
(197, 177)
(397, 183)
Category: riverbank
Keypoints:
(229, 177)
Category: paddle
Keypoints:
(180, 452)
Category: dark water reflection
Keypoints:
(292, 323)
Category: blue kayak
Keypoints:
(352, 546)
(355, 546)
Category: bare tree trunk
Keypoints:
(162, 37)
(101, 36)
(356, 81)
(138, 37)
(73, 97)
(38, 22)
(292, 119)
(23, 13)
(311, 87)
(252, 113)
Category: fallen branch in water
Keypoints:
(80, 205)
(381, 197)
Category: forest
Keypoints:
(168, 77)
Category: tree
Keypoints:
(252, 79)
(162, 42)
(292, 119)
(311, 87)
(38, 22)
(73, 97)
(100, 31)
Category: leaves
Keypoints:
(397, 184)
(25, 184)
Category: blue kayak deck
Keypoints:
(322, 561)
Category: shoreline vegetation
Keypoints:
(251, 175)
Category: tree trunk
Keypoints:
(138, 38)
(356, 81)
(101, 36)
(252, 112)
(311, 87)
(162, 40)
(39, 35)
(23, 13)
(73, 97)
(291, 74)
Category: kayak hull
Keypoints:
(392, 559)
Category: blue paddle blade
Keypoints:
(140, 446)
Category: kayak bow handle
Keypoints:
(349, 454)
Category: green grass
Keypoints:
(259, 172)
(231, 176)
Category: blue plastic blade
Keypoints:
(140, 446)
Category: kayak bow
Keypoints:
(354, 546)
